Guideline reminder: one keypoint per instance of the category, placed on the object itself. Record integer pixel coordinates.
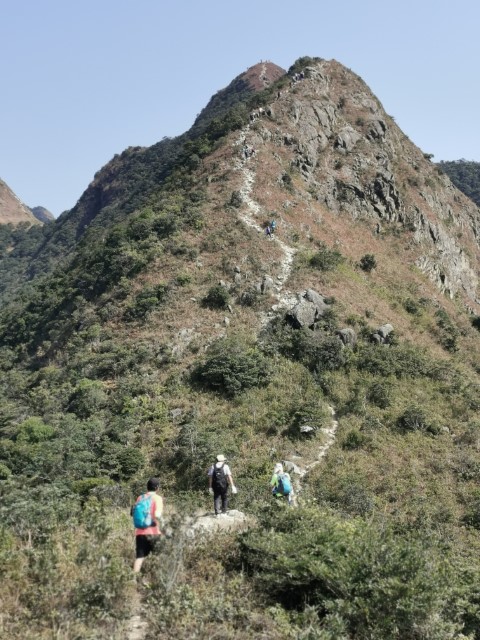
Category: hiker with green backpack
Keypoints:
(281, 484)
(147, 514)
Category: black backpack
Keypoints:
(219, 479)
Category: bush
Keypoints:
(130, 461)
(146, 302)
(476, 322)
(368, 262)
(250, 297)
(236, 200)
(411, 307)
(379, 394)
(351, 571)
(413, 419)
(233, 366)
(326, 259)
(39, 511)
(354, 439)
(319, 351)
(402, 361)
(216, 298)
(34, 430)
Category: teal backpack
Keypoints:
(142, 512)
(284, 486)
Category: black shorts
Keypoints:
(144, 545)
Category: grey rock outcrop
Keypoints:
(307, 311)
(357, 162)
(291, 467)
(208, 523)
(382, 334)
(347, 336)
(266, 285)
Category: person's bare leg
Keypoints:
(137, 565)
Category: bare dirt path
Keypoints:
(286, 298)
(249, 215)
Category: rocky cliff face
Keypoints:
(12, 210)
(353, 162)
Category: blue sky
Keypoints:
(83, 80)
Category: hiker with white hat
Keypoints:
(219, 477)
(281, 484)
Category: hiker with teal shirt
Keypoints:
(281, 484)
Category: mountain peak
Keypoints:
(262, 74)
(12, 209)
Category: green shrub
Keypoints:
(476, 322)
(351, 572)
(326, 259)
(236, 200)
(411, 307)
(379, 394)
(131, 461)
(448, 332)
(85, 486)
(354, 439)
(88, 398)
(217, 297)
(368, 262)
(183, 279)
(34, 430)
(413, 419)
(233, 366)
(402, 361)
(5, 472)
(472, 511)
(147, 301)
(39, 511)
(250, 297)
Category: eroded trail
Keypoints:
(286, 298)
(250, 213)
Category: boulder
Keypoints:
(347, 336)
(291, 467)
(208, 523)
(309, 310)
(385, 330)
(306, 429)
(266, 285)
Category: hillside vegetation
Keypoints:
(465, 175)
(176, 330)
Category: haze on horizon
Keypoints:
(83, 82)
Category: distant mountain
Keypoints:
(12, 209)
(465, 175)
(42, 214)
